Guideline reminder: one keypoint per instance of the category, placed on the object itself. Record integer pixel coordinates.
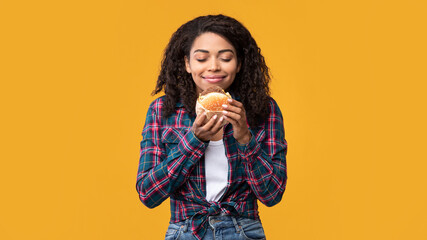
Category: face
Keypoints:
(212, 62)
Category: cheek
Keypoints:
(196, 69)
(195, 77)
(232, 68)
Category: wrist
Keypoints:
(198, 137)
(245, 138)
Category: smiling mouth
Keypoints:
(213, 79)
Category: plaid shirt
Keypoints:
(172, 165)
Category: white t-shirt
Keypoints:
(216, 169)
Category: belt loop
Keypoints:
(210, 220)
(185, 225)
(236, 225)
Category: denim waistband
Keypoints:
(216, 222)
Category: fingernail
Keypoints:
(215, 116)
(224, 105)
(225, 112)
(221, 118)
(229, 100)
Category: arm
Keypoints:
(265, 159)
(159, 174)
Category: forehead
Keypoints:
(211, 42)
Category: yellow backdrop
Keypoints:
(349, 76)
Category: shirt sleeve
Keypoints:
(264, 158)
(160, 174)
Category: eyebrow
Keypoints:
(206, 51)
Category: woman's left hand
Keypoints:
(235, 113)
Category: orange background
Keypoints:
(349, 76)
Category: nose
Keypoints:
(214, 65)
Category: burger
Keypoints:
(211, 101)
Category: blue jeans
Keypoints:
(220, 228)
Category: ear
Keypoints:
(187, 64)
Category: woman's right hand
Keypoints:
(205, 131)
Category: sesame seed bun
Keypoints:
(211, 101)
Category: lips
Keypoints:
(213, 78)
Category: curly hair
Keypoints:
(250, 84)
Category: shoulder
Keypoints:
(272, 102)
(274, 124)
(273, 117)
(156, 104)
(156, 110)
(274, 107)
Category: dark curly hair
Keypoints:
(250, 84)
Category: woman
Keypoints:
(214, 171)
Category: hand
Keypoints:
(235, 113)
(205, 131)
